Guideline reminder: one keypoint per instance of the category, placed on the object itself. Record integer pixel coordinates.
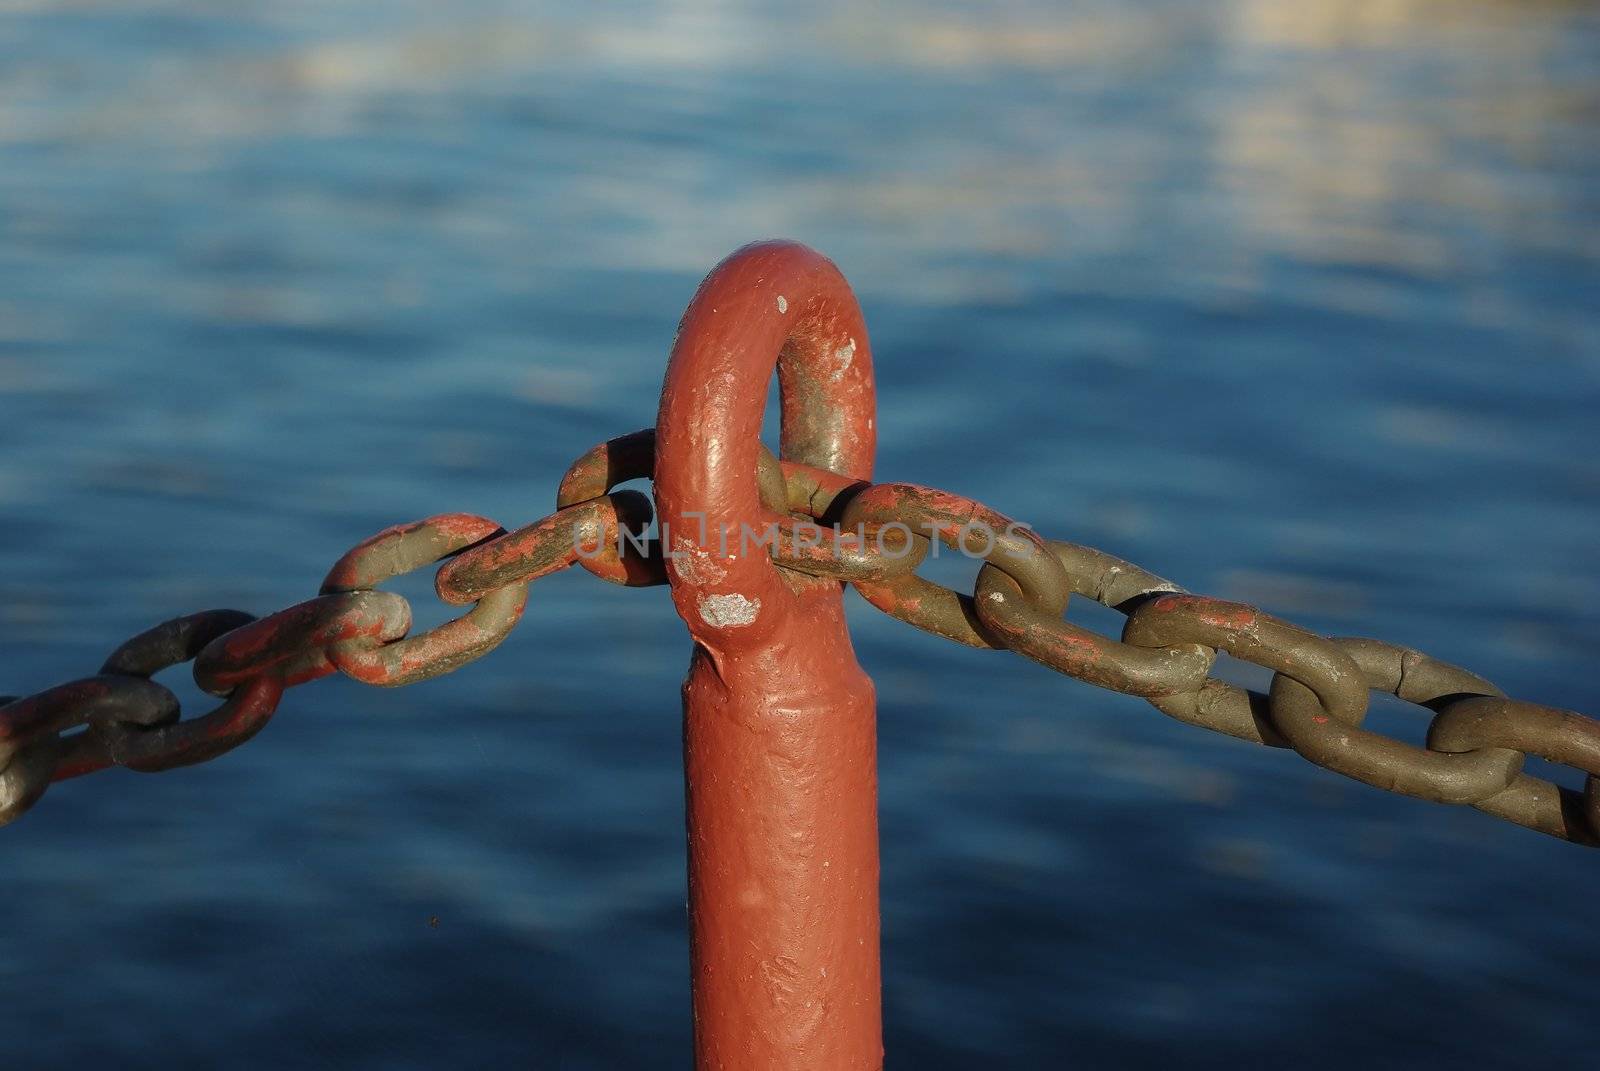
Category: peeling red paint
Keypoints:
(291, 644)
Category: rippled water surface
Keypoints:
(1295, 303)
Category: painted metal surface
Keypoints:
(780, 748)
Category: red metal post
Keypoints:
(780, 745)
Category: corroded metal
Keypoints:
(1012, 614)
(128, 719)
(293, 644)
(871, 553)
(34, 749)
(1467, 776)
(961, 524)
(585, 532)
(151, 749)
(399, 550)
(1252, 636)
(26, 774)
(779, 743)
(93, 700)
(819, 520)
(1493, 723)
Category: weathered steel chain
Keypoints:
(872, 536)
(1476, 742)
(126, 719)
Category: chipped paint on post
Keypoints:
(729, 611)
(843, 357)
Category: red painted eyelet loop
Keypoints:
(769, 304)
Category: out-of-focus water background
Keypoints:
(1295, 303)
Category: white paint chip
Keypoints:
(783, 306)
(844, 355)
(995, 596)
(728, 611)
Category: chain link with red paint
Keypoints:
(871, 536)
(120, 717)
(1476, 742)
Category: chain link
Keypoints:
(1476, 743)
(406, 548)
(122, 718)
(871, 536)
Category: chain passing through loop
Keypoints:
(819, 524)
(595, 476)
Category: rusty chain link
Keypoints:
(1476, 742)
(871, 536)
(121, 717)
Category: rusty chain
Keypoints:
(871, 536)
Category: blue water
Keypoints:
(1295, 303)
